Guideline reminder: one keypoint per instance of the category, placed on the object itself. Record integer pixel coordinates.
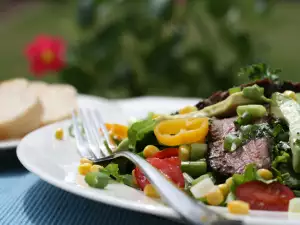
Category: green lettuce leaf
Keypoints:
(141, 133)
(113, 171)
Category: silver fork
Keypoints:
(90, 145)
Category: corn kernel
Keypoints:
(96, 168)
(150, 150)
(133, 178)
(84, 168)
(290, 94)
(85, 160)
(150, 191)
(238, 207)
(215, 197)
(224, 189)
(184, 152)
(59, 134)
(265, 174)
(188, 109)
(229, 182)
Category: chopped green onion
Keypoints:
(245, 119)
(234, 90)
(198, 151)
(232, 142)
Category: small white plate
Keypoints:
(56, 162)
(9, 144)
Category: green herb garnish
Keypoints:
(260, 71)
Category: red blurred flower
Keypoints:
(45, 54)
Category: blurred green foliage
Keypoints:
(161, 47)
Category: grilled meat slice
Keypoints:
(227, 163)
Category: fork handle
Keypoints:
(191, 211)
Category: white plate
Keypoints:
(56, 162)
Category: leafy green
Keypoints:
(289, 177)
(128, 180)
(112, 170)
(140, 130)
(255, 93)
(248, 175)
(255, 131)
(260, 71)
(283, 158)
(297, 193)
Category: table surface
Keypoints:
(27, 200)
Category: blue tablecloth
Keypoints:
(27, 200)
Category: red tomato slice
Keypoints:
(170, 167)
(166, 153)
(261, 196)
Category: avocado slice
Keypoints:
(227, 107)
(289, 110)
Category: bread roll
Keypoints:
(21, 110)
(58, 100)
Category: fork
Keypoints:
(91, 145)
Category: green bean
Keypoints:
(194, 168)
(254, 110)
(97, 179)
(198, 151)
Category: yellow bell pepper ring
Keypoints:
(182, 131)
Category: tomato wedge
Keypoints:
(166, 153)
(170, 167)
(261, 196)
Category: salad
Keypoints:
(238, 148)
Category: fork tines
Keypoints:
(89, 138)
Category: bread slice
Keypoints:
(58, 100)
(21, 109)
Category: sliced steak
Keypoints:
(227, 163)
